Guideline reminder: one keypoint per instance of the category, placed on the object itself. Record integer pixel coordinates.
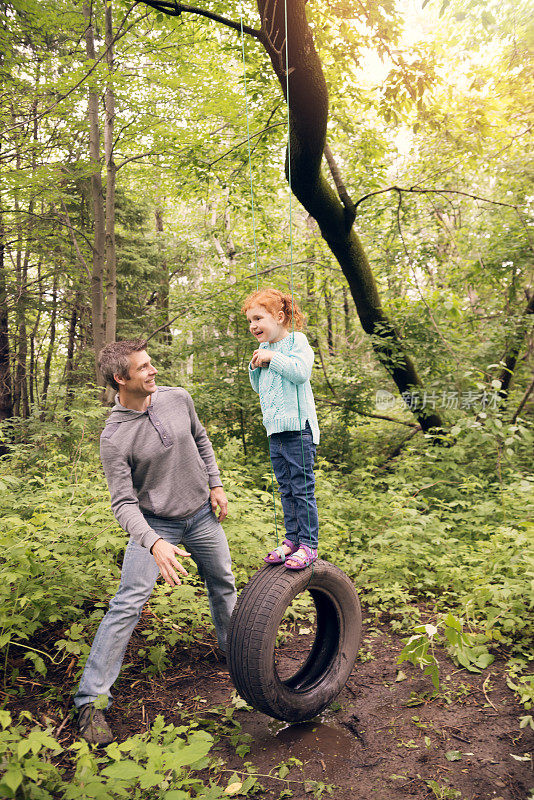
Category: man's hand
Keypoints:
(261, 358)
(165, 557)
(218, 498)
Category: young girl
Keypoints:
(280, 372)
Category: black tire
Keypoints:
(252, 639)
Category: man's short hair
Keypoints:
(113, 359)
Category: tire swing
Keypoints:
(252, 640)
(251, 646)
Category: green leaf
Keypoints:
(23, 747)
(233, 788)
(452, 622)
(453, 755)
(433, 670)
(13, 778)
(101, 701)
(5, 718)
(484, 660)
(248, 783)
(182, 755)
(123, 770)
(487, 19)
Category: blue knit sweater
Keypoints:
(284, 387)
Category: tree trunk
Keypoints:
(22, 404)
(20, 384)
(71, 341)
(514, 347)
(191, 356)
(329, 324)
(308, 113)
(32, 367)
(97, 277)
(530, 389)
(33, 359)
(310, 269)
(51, 343)
(20, 393)
(6, 397)
(346, 315)
(162, 296)
(227, 254)
(238, 384)
(111, 176)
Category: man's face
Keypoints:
(140, 381)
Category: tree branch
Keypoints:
(175, 9)
(523, 401)
(136, 158)
(509, 359)
(370, 414)
(414, 190)
(421, 295)
(74, 240)
(222, 291)
(43, 218)
(346, 199)
(318, 346)
(397, 450)
(118, 35)
(244, 141)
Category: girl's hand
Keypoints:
(260, 358)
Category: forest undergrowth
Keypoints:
(438, 542)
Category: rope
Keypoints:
(256, 246)
(291, 260)
(249, 157)
(290, 254)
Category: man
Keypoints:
(165, 488)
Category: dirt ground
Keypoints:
(383, 738)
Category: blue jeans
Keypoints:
(292, 457)
(203, 537)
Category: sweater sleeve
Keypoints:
(124, 502)
(254, 375)
(204, 445)
(297, 365)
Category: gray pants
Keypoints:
(203, 537)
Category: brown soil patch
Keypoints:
(382, 739)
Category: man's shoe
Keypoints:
(93, 726)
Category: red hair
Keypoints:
(275, 301)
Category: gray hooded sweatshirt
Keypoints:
(157, 462)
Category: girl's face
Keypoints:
(264, 326)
